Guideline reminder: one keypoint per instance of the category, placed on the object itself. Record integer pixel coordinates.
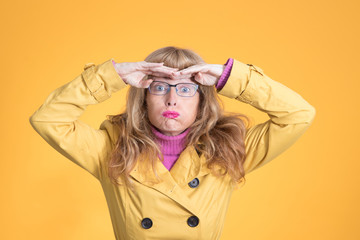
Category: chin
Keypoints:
(168, 129)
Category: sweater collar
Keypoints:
(171, 145)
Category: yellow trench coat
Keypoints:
(171, 209)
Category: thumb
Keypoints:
(198, 76)
(146, 83)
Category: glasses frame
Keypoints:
(173, 85)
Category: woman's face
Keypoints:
(171, 113)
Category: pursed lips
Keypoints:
(170, 114)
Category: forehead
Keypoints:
(173, 81)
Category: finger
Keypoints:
(198, 77)
(191, 70)
(160, 74)
(178, 76)
(166, 68)
(147, 65)
(162, 70)
(175, 75)
(153, 64)
(146, 83)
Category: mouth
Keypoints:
(170, 114)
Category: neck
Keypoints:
(171, 146)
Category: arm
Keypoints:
(290, 115)
(57, 118)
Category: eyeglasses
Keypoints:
(182, 89)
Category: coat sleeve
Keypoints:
(57, 121)
(290, 115)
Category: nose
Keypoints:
(171, 97)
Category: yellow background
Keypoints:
(311, 191)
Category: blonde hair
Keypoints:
(221, 136)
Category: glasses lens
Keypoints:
(158, 88)
(186, 89)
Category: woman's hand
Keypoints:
(205, 74)
(133, 73)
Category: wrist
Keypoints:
(117, 71)
(225, 74)
(114, 64)
(222, 73)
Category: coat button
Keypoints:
(146, 223)
(193, 221)
(194, 183)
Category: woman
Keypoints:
(169, 164)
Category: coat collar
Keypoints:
(188, 166)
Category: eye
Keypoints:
(185, 89)
(159, 88)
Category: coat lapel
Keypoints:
(188, 166)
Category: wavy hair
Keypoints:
(221, 134)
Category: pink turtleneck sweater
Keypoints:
(172, 146)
